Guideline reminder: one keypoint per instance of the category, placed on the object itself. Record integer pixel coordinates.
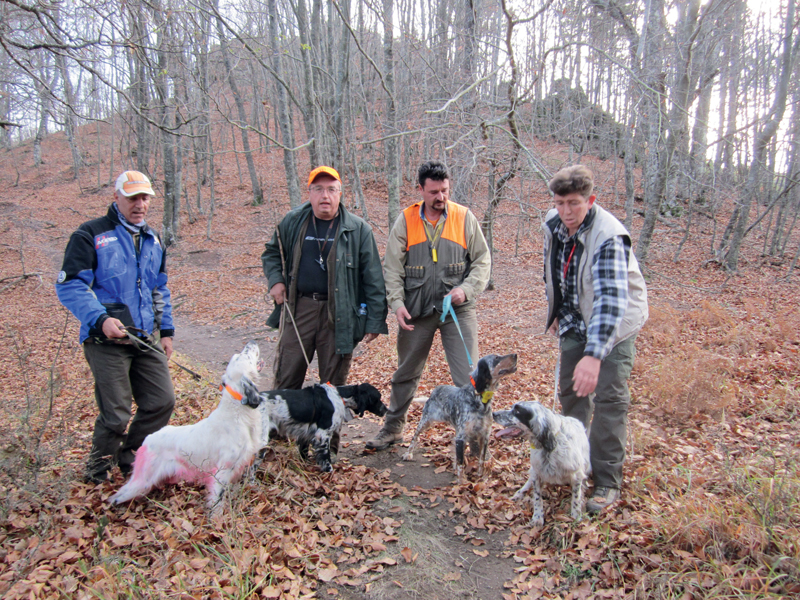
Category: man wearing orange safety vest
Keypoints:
(435, 249)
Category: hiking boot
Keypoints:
(383, 440)
(601, 498)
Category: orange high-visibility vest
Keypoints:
(428, 281)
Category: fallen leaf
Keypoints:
(271, 592)
(477, 542)
(409, 555)
(327, 574)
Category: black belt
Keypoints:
(314, 296)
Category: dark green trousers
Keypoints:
(124, 374)
(605, 416)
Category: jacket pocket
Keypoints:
(415, 291)
(115, 310)
(359, 323)
(111, 263)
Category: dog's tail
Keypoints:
(144, 478)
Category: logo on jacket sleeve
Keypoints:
(104, 240)
(62, 277)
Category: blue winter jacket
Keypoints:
(103, 276)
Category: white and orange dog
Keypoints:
(214, 451)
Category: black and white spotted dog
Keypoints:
(312, 416)
(468, 409)
(559, 452)
(214, 451)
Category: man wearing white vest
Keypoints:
(597, 303)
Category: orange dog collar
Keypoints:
(234, 394)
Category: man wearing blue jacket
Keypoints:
(114, 280)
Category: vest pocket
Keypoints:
(415, 273)
(455, 269)
(414, 291)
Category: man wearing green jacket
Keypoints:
(322, 264)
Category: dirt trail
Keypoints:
(447, 565)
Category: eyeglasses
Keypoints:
(330, 189)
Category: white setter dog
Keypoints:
(214, 451)
(559, 452)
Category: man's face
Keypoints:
(572, 209)
(133, 208)
(324, 193)
(435, 194)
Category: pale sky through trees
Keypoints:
(693, 99)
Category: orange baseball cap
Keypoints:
(323, 171)
(131, 183)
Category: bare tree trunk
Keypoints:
(285, 119)
(392, 162)
(342, 82)
(310, 117)
(770, 127)
(169, 231)
(654, 175)
(43, 86)
(258, 196)
(139, 92)
(70, 124)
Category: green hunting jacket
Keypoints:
(355, 275)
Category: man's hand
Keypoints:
(554, 328)
(113, 328)
(166, 344)
(369, 337)
(278, 293)
(584, 377)
(458, 296)
(402, 316)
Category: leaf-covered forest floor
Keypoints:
(710, 507)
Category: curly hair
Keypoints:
(432, 169)
(577, 178)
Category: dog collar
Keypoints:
(485, 396)
(236, 395)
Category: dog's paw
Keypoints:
(518, 497)
(326, 468)
(536, 521)
(408, 455)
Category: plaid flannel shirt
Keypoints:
(610, 282)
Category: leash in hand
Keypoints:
(144, 343)
(447, 307)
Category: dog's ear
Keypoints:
(483, 377)
(323, 407)
(547, 438)
(360, 400)
(250, 395)
(351, 396)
